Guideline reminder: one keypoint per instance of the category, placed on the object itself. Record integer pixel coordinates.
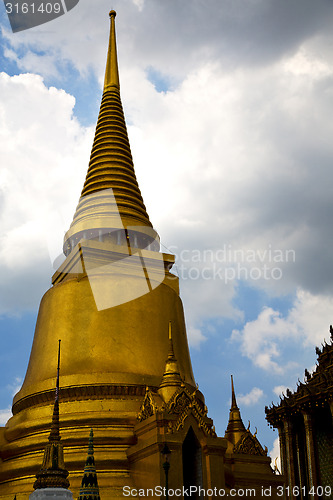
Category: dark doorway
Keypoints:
(192, 463)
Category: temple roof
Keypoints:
(111, 199)
(316, 391)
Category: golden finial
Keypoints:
(233, 396)
(235, 428)
(111, 72)
(171, 378)
(171, 353)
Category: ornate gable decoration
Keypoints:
(179, 402)
(148, 407)
(182, 404)
(249, 445)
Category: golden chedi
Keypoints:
(112, 303)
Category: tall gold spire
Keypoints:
(233, 395)
(111, 71)
(235, 429)
(111, 200)
(53, 473)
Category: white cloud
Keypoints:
(313, 315)
(251, 398)
(5, 415)
(229, 171)
(175, 39)
(305, 63)
(230, 143)
(139, 4)
(15, 386)
(30, 60)
(44, 155)
(275, 455)
(247, 151)
(263, 339)
(195, 337)
(280, 389)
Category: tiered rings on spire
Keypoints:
(111, 200)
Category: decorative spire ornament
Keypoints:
(53, 473)
(171, 377)
(236, 428)
(89, 487)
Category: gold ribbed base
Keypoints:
(111, 418)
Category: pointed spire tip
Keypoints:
(233, 395)
(111, 71)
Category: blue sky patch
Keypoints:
(161, 82)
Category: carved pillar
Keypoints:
(310, 452)
(282, 441)
(331, 407)
(290, 459)
(300, 458)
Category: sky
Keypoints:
(228, 105)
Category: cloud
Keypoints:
(245, 174)
(15, 386)
(251, 398)
(173, 39)
(280, 389)
(275, 455)
(43, 151)
(247, 149)
(5, 415)
(195, 337)
(263, 339)
(139, 4)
